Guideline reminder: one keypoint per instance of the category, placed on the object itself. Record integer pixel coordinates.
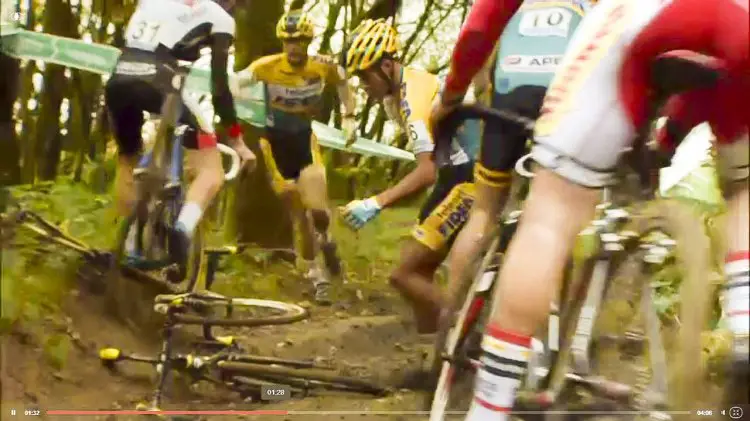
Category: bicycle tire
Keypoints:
(682, 387)
(624, 324)
(282, 374)
(449, 338)
(290, 312)
(686, 227)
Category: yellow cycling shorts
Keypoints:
(286, 154)
(447, 208)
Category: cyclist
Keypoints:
(594, 105)
(294, 84)
(407, 94)
(535, 37)
(158, 35)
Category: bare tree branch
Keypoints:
(420, 24)
(429, 35)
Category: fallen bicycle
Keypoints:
(222, 361)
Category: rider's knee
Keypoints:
(320, 219)
(733, 166)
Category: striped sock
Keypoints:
(504, 359)
(737, 293)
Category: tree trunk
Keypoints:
(255, 213)
(10, 170)
(25, 115)
(58, 20)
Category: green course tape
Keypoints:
(101, 59)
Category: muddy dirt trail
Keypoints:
(373, 340)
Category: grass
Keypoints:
(368, 256)
(37, 276)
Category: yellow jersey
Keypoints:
(294, 91)
(419, 89)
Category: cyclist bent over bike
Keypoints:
(594, 106)
(407, 95)
(294, 84)
(158, 35)
(525, 60)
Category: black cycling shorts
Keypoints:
(287, 153)
(133, 89)
(446, 210)
(504, 143)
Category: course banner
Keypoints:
(101, 59)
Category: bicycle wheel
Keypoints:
(453, 335)
(211, 309)
(631, 340)
(300, 377)
(142, 243)
(196, 259)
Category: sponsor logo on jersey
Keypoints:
(531, 64)
(135, 69)
(297, 96)
(511, 60)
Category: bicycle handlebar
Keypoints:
(234, 169)
(447, 127)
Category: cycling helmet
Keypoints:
(294, 24)
(371, 41)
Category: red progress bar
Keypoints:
(260, 412)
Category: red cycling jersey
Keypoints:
(484, 25)
(722, 106)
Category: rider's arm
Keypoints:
(417, 180)
(346, 97)
(337, 76)
(223, 102)
(484, 25)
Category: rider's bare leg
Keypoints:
(124, 184)
(737, 289)
(314, 193)
(414, 277)
(733, 166)
(205, 165)
(473, 237)
(554, 213)
(307, 245)
(302, 227)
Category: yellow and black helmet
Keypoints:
(371, 41)
(295, 24)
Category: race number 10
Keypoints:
(546, 22)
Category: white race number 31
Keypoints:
(553, 21)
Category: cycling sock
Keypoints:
(505, 356)
(737, 292)
(190, 215)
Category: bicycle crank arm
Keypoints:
(110, 356)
